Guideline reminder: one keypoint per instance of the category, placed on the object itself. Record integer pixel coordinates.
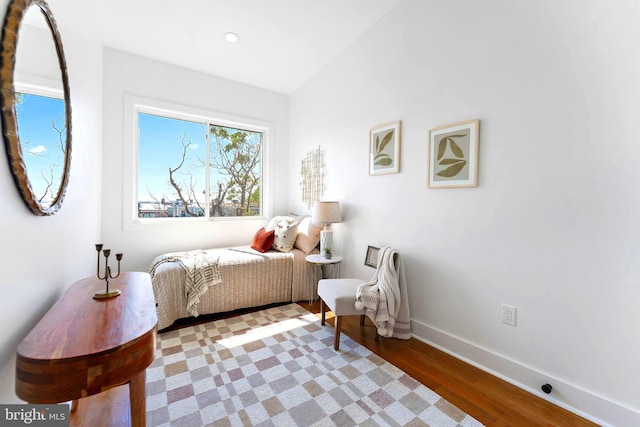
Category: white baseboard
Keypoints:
(591, 406)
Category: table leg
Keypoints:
(313, 292)
(74, 405)
(137, 398)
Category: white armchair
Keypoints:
(339, 296)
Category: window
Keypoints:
(193, 166)
(235, 170)
(42, 130)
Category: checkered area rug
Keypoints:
(277, 367)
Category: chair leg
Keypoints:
(323, 310)
(338, 326)
(362, 320)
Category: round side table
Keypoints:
(329, 269)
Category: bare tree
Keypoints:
(62, 143)
(217, 202)
(236, 156)
(49, 182)
(186, 194)
(52, 177)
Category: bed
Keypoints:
(247, 278)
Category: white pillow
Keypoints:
(285, 230)
(308, 235)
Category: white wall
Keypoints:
(553, 227)
(126, 74)
(41, 256)
(36, 57)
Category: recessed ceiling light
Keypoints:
(231, 37)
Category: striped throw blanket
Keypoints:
(201, 271)
(384, 297)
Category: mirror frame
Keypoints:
(10, 30)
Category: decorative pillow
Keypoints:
(286, 231)
(263, 240)
(308, 235)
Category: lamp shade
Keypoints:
(326, 212)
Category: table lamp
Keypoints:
(327, 213)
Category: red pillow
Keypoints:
(263, 240)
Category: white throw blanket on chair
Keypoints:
(385, 297)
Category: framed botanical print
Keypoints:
(453, 155)
(384, 149)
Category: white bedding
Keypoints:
(249, 279)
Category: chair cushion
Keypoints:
(340, 295)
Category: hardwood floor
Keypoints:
(488, 399)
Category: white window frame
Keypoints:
(36, 85)
(135, 105)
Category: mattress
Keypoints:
(249, 279)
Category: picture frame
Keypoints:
(371, 259)
(453, 155)
(384, 149)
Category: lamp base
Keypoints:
(326, 241)
(104, 294)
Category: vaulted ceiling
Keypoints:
(282, 43)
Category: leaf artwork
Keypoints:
(383, 159)
(452, 170)
(442, 147)
(457, 151)
(449, 161)
(384, 162)
(455, 164)
(384, 142)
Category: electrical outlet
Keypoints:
(509, 314)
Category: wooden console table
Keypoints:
(84, 346)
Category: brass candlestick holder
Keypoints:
(107, 273)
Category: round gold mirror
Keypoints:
(36, 107)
